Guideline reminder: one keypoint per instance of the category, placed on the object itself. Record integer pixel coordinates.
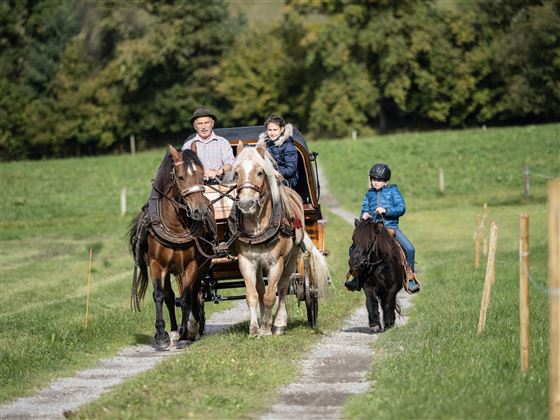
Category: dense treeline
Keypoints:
(81, 76)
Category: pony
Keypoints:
(173, 235)
(268, 223)
(376, 262)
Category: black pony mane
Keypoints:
(161, 182)
(370, 233)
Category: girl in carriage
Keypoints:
(280, 144)
(384, 201)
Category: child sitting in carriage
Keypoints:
(384, 201)
(280, 144)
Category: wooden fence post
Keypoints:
(483, 223)
(554, 296)
(526, 182)
(524, 291)
(132, 144)
(489, 278)
(441, 181)
(88, 287)
(477, 243)
(123, 201)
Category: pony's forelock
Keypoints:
(266, 163)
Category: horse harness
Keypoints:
(270, 234)
(156, 225)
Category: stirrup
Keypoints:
(411, 283)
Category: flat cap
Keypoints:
(203, 112)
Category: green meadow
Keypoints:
(436, 366)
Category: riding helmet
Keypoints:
(380, 171)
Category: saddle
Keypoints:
(409, 274)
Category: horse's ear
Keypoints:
(193, 147)
(261, 148)
(240, 147)
(174, 153)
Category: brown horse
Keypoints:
(268, 221)
(172, 236)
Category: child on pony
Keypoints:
(384, 201)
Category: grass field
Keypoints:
(53, 212)
(437, 366)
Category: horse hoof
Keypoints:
(278, 330)
(162, 343)
(376, 329)
(174, 337)
(254, 332)
(181, 344)
(265, 333)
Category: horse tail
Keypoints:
(319, 267)
(138, 235)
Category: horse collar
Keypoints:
(269, 234)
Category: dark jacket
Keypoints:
(284, 152)
(388, 197)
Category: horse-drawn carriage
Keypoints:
(224, 270)
(260, 236)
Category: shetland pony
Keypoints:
(376, 262)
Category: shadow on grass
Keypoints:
(142, 339)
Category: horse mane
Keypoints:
(267, 163)
(368, 233)
(190, 158)
(161, 182)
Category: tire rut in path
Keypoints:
(334, 370)
(68, 394)
(337, 367)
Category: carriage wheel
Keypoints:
(311, 296)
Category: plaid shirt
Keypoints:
(213, 153)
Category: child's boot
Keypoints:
(411, 285)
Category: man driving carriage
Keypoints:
(214, 151)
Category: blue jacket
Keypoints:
(285, 154)
(388, 197)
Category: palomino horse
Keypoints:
(167, 237)
(268, 222)
(376, 262)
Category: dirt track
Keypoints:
(335, 369)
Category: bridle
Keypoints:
(251, 186)
(183, 192)
(368, 261)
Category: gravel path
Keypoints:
(68, 394)
(337, 368)
(334, 370)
